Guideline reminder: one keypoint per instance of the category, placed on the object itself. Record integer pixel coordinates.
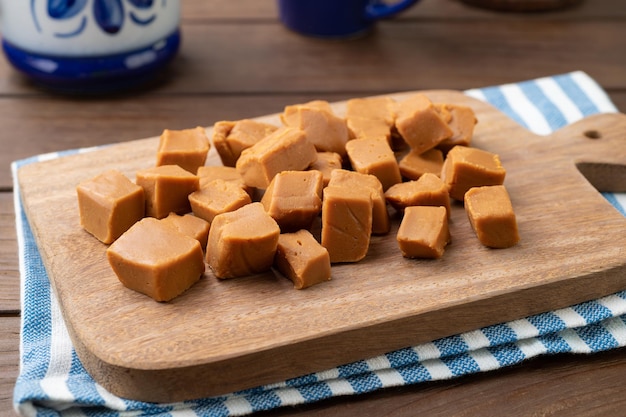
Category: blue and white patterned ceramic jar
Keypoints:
(90, 45)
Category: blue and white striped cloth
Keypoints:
(52, 381)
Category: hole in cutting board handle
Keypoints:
(592, 134)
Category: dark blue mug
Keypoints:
(336, 18)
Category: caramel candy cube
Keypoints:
(189, 225)
(421, 124)
(423, 232)
(302, 259)
(109, 204)
(491, 215)
(216, 197)
(242, 242)
(374, 157)
(346, 223)
(428, 190)
(286, 149)
(154, 259)
(326, 131)
(186, 148)
(465, 168)
(326, 163)
(167, 188)
(381, 223)
(294, 199)
(371, 117)
(462, 122)
(206, 174)
(413, 165)
(231, 138)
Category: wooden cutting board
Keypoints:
(222, 336)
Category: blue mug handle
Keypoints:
(381, 10)
(337, 18)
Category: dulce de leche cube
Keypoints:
(371, 117)
(109, 204)
(346, 223)
(491, 215)
(206, 174)
(154, 259)
(421, 124)
(242, 242)
(302, 259)
(326, 163)
(428, 190)
(423, 232)
(216, 197)
(231, 138)
(186, 148)
(189, 225)
(414, 164)
(374, 156)
(326, 131)
(465, 168)
(462, 123)
(286, 149)
(294, 199)
(368, 184)
(167, 189)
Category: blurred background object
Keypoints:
(90, 46)
(337, 19)
(523, 5)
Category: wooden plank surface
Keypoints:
(564, 248)
(35, 122)
(9, 270)
(9, 348)
(255, 61)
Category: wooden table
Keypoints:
(238, 61)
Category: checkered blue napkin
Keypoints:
(52, 381)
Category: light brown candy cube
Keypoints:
(242, 242)
(420, 123)
(154, 259)
(286, 149)
(302, 259)
(186, 148)
(346, 223)
(294, 199)
(231, 138)
(371, 117)
(206, 174)
(428, 190)
(109, 204)
(491, 215)
(167, 189)
(189, 225)
(465, 168)
(366, 183)
(216, 197)
(326, 163)
(326, 131)
(462, 122)
(374, 157)
(423, 232)
(413, 165)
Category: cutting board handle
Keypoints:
(597, 146)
